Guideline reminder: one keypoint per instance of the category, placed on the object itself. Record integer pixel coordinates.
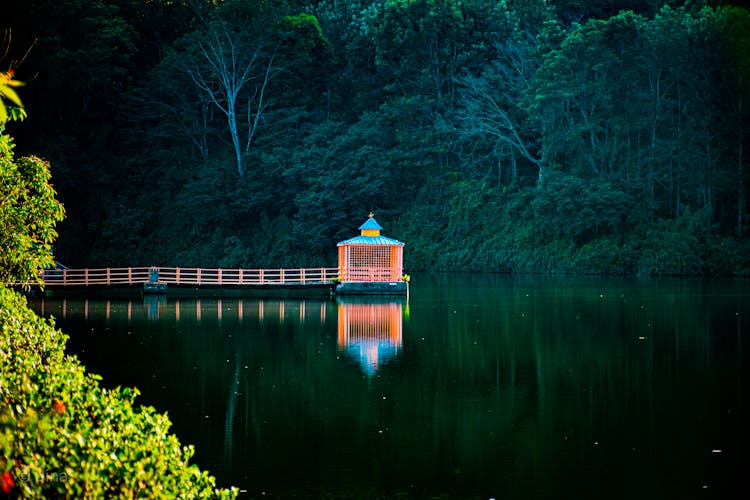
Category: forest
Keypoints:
(518, 136)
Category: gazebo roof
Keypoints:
(371, 223)
(370, 235)
(371, 240)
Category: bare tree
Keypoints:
(489, 105)
(234, 75)
(486, 115)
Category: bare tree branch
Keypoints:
(229, 68)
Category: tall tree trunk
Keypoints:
(232, 121)
(740, 172)
(499, 170)
(708, 207)
(678, 197)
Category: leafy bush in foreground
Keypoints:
(62, 435)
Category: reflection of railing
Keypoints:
(188, 276)
(371, 274)
(157, 307)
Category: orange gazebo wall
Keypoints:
(370, 263)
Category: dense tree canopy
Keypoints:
(519, 135)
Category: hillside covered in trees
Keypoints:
(584, 136)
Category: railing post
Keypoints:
(130, 276)
(281, 276)
(240, 276)
(302, 276)
(86, 276)
(260, 275)
(65, 277)
(108, 276)
(198, 276)
(177, 275)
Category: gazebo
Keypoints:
(371, 262)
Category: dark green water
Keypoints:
(479, 386)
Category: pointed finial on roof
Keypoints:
(370, 227)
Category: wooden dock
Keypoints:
(158, 279)
(364, 280)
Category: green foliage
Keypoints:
(64, 436)
(304, 36)
(417, 44)
(307, 57)
(7, 93)
(570, 206)
(29, 213)
(514, 136)
(727, 257)
(674, 247)
(605, 255)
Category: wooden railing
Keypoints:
(188, 276)
(105, 276)
(199, 276)
(371, 274)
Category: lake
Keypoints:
(477, 386)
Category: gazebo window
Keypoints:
(369, 256)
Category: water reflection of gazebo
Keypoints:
(370, 332)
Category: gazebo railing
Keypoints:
(371, 274)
